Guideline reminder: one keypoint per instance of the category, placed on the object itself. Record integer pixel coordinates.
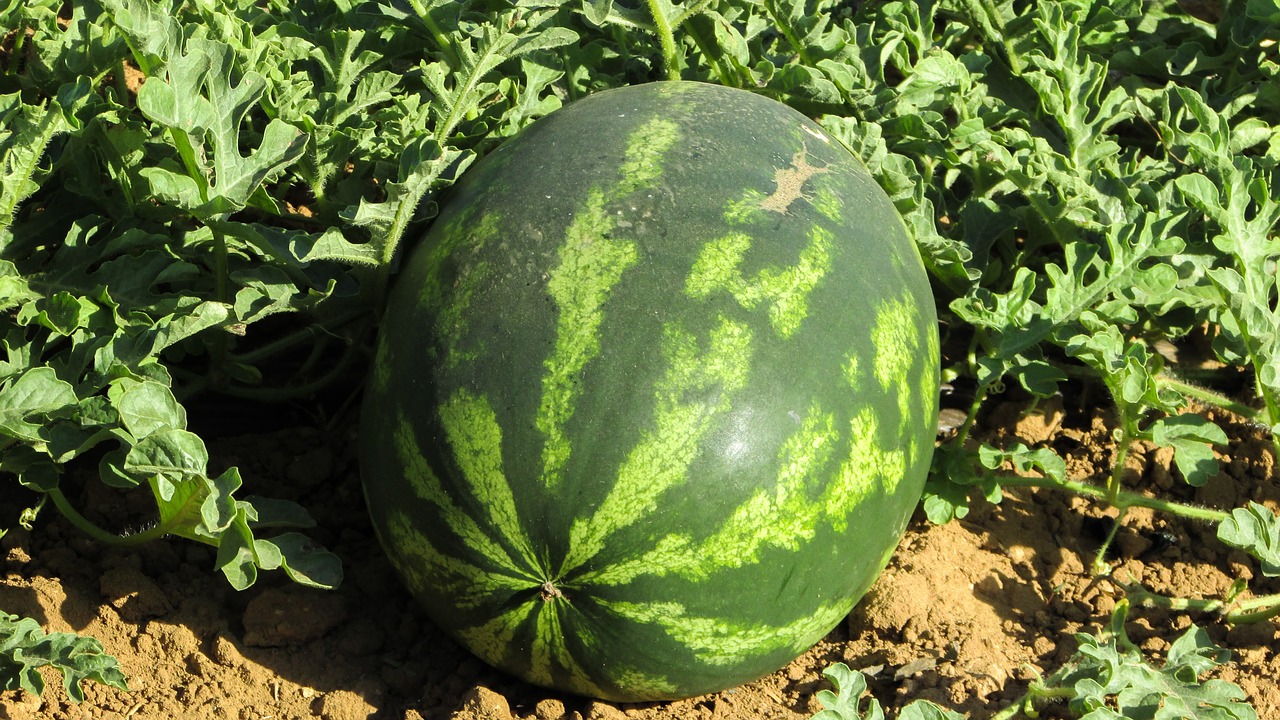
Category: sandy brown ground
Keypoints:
(966, 614)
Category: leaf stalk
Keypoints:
(666, 38)
(96, 532)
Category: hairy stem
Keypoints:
(666, 37)
(1242, 612)
(1207, 396)
(1121, 499)
(437, 33)
(1248, 612)
(89, 528)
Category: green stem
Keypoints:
(979, 395)
(993, 20)
(1117, 470)
(277, 394)
(1100, 565)
(299, 337)
(708, 50)
(437, 33)
(222, 275)
(1247, 611)
(19, 45)
(666, 37)
(1121, 499)
(97, 533)
(1037, 690)
(1243, 612)
(1206, 396)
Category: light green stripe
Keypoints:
(787, 516)
(868, 464)
(851, 372)
(717, 641)
(782, 517)
(829, 204)
(427, 571)
(746, 209)
(473, 433)
(493, 641)
(590, 266)
(645, 150)
(897, 345)
(452, 321)
(671, 552)
(789, 289)
(550, 650)
(641, 684)
(427, 486)
(548, 643)
(381, 382)
(717, 268)
(696, 387)
(928, 389)
(784, 291)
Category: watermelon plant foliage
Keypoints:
(205, 198)
(24, 648)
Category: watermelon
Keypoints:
(655, 397)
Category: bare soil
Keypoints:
(966, 614)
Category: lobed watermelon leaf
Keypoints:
(25, 647)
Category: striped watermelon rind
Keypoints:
(655, 397)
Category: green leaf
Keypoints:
(25, 132)
(597, 11)
(37, 392)
(264, 291)
(1266, 11)
(1043, 460)
(1038, 377)
(148, 406)
(844, 703)
(168, 457)
(1191, 436)
(236, 558)
(332, 245)
(153, 31)
(204, 111)
(24, 648)
(1110, 678)
(925, 710)
(1256, 530)
(422, 169)
(304, 562)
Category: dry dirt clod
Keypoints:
(225, 652)
(549, 709)
(133, 594)
(344, 705)
(603, 711)
(481, 703)
(291, 616)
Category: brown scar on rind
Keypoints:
(790, 183)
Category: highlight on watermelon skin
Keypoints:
(655, 396)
